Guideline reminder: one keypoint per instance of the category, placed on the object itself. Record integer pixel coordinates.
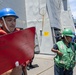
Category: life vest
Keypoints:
(2, 32)
(67, 60)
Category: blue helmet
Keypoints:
(7, 12)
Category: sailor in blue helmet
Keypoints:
(7, 12)
(8, 21)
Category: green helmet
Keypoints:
(68, 32)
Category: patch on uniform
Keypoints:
(62, 46)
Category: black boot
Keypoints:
(31, 66)
(28, 68)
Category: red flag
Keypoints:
(18, 46)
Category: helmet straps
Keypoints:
(65, 38)
(5, 24)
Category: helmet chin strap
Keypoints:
(5, 24)
(66, 39)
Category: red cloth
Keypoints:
(17, 46)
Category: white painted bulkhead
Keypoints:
(39, 18)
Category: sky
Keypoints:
(73, 7)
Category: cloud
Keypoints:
(71, 1)
(73, 7)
